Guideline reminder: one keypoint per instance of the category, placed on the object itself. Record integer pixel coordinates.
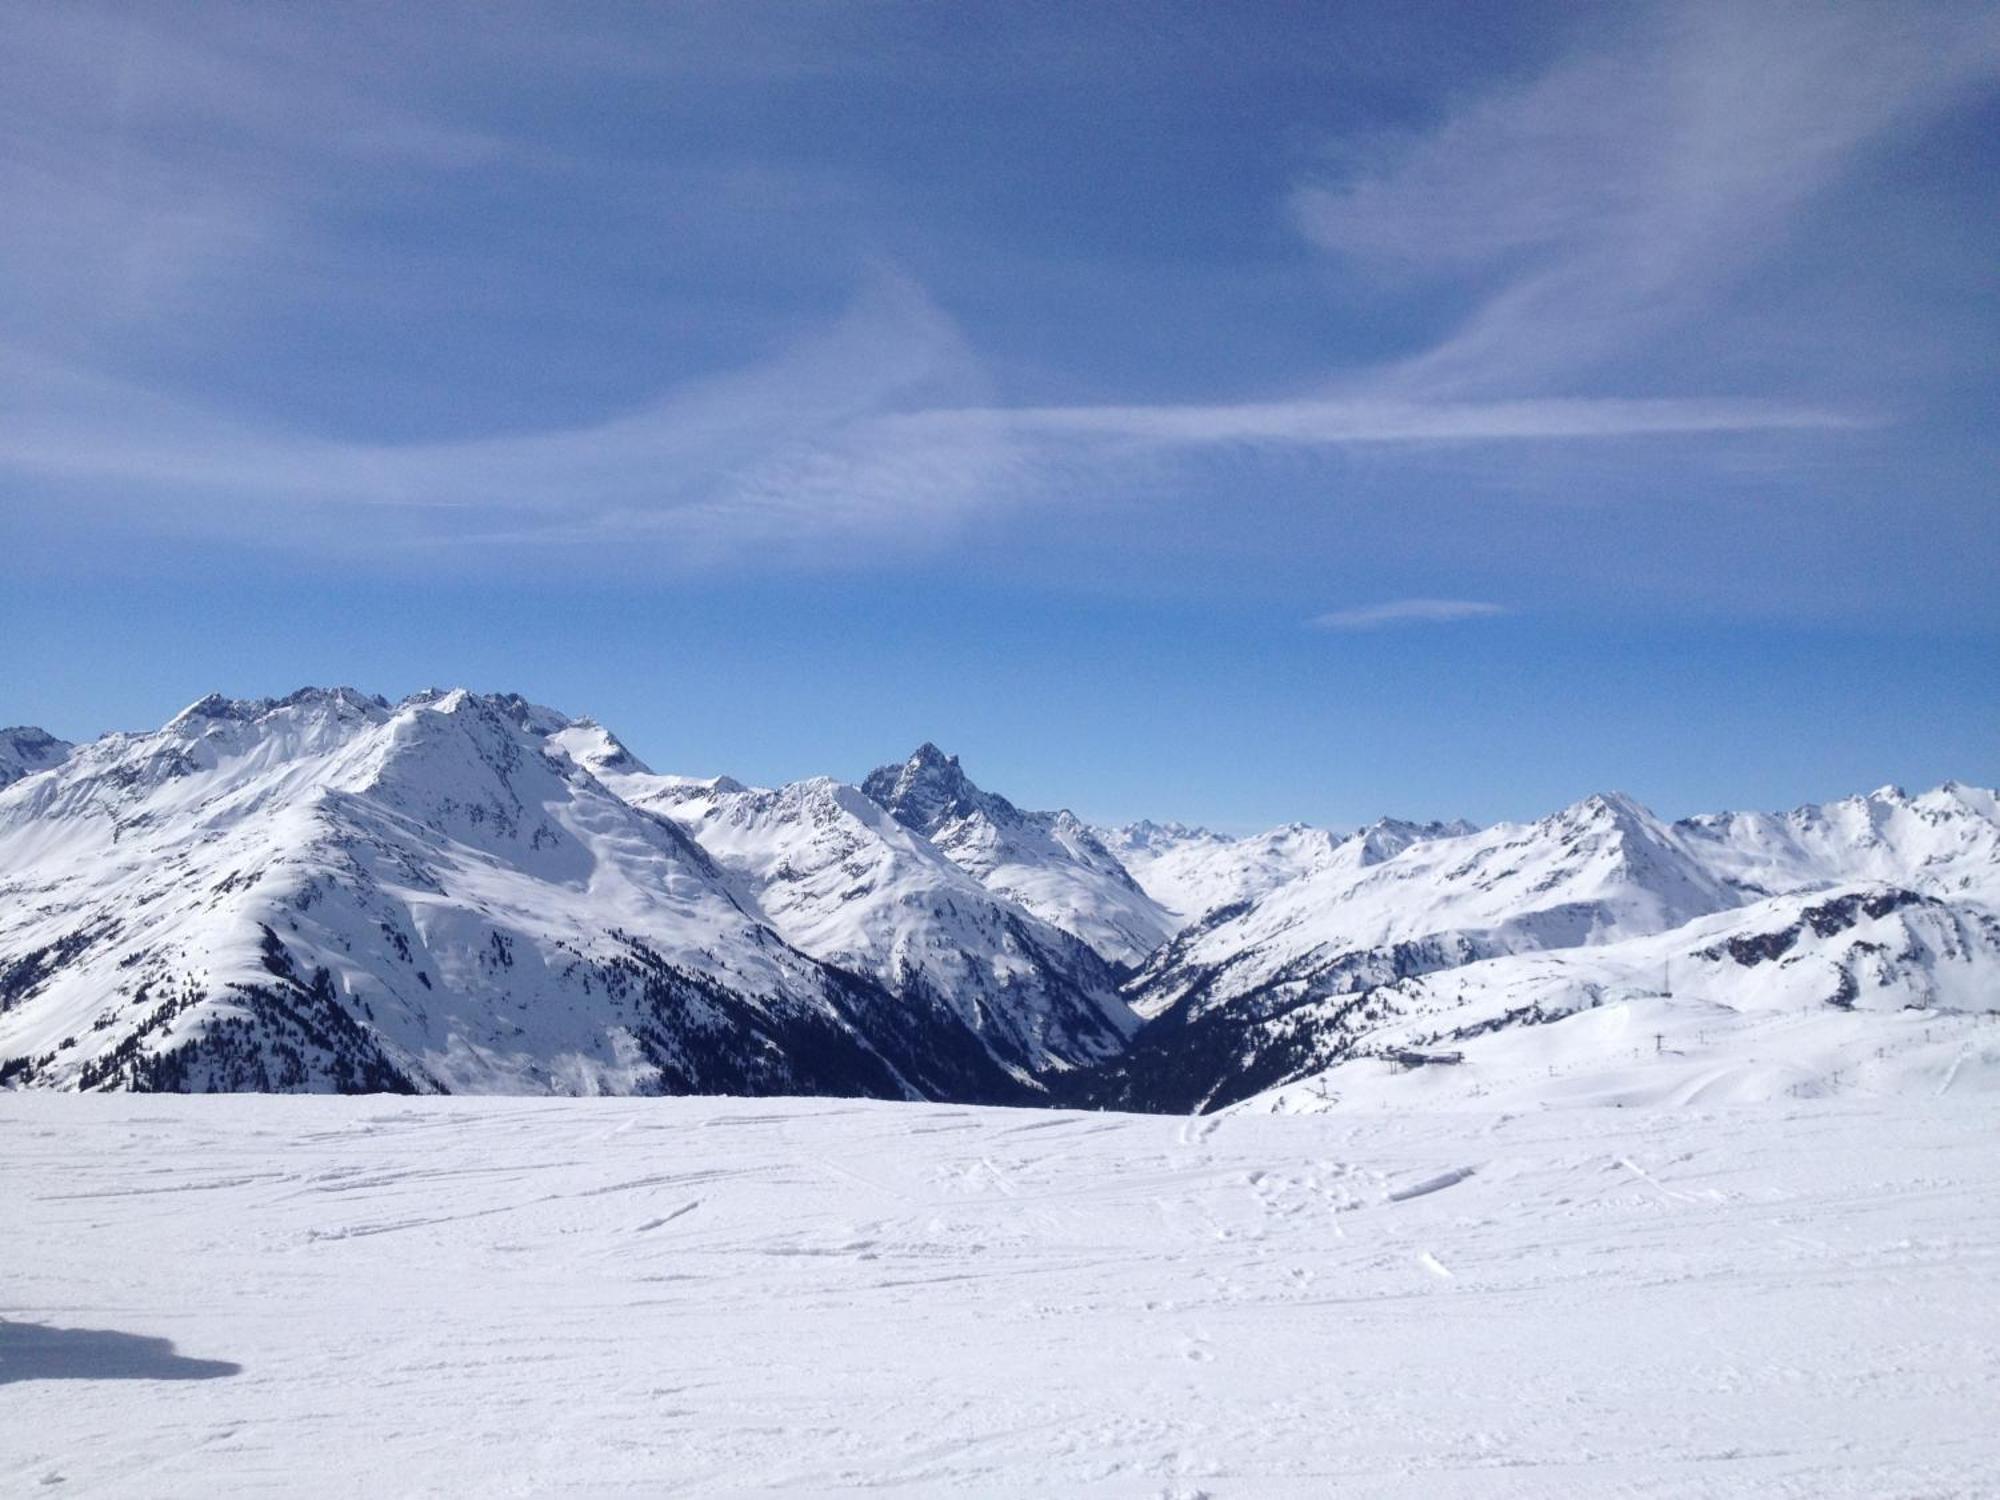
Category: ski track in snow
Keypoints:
(704, 1296)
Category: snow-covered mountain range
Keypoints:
(473, 893)
(1405, 959)
(838, 877)
(332, 892)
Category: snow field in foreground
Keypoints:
(653, 1296)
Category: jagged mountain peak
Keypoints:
(838, 875)
(929, 789)
(1611, 848)
(337, 894)
(1388, 837)
(470, 889)
(443, 756)
(216, 706)
(1146, 833)
(1193, 870)
(26, 749)
(354, 708)
(1052, 863)
(1944, 839)
(597, 749)
(1954, 797)
(1621, 833)
(536, 718)
(1620, 808)
(28, 735)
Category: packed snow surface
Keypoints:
(251, 1294)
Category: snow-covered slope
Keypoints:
(330, 892)
(1944, 841)
(839, 878)
(1192, 871)
(1870, 988)
(1519, 925)
(1051, 863)
(25, 750)
(1385, 904)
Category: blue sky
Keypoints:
(1230, 412)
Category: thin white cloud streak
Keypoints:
(1407, 612)
(1336, 422)
(180, 177)
(843, 438)
(791, 452)
(839, 420)
(1620, 193)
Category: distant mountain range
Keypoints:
(472, 893)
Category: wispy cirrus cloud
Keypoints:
(1614, 197)
(160, 168)
(809, 445)
(1625, 190)
(860, 430)
(1337, 421)
(1407, 612)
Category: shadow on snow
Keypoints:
(37, 1351)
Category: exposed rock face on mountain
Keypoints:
(474, 893)
(25, 750)
(1050, 863)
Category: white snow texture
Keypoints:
(824, 1297)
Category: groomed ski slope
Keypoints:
(700, 1296)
